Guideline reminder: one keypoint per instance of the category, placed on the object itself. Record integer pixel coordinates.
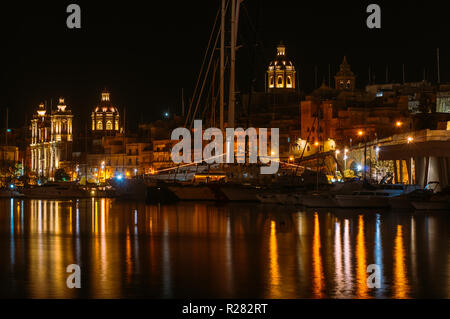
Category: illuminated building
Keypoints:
(51, 140)
(345, 79)
(281, 72)
(105, 117)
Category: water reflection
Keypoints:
(318, 281)
(401, 286)
(129, 249)
(361, 266)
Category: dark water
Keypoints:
(130, 249)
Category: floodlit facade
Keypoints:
(51, 140)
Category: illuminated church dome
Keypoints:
(105, 118)
(281, 72)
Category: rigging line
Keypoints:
(307, 140)
(306, 144)
(202, 67)
(204, 80)
(216, 64)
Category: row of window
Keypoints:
(109, 125)
(280, 82)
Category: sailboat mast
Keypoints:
(222, 63)
(231, 104)
(438, 67)
(182, 102)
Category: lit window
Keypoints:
(99, 125)
(117, 125)
(289, 82)
(280, 82)
(109, 125)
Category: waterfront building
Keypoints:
(276, 106)
(348, 116)
(118, 156)
(51, 140)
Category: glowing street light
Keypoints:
(345, 161)
(103, 171)
(410, 139)
(398, 124)
(361, 133)
(337, 153)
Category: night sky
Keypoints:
(145, 52)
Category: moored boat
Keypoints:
(317, 200)
(405, 201)
(240, 193)
(436, 202)
(364, 199)
(193, 192)
(56, 190)
(267, 198)
(9, 193)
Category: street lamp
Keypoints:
(361, 133)
(345, 161)
(337, 153)
(377, 151)
(103, 170)
(410, 139)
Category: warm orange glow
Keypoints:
(361, 266)
(274, 266)
(338, 259)
(401, 286)
(360, 133)
(291, 158)
(398, 124)
(410, 139)
(318, 278)
(316, 143)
